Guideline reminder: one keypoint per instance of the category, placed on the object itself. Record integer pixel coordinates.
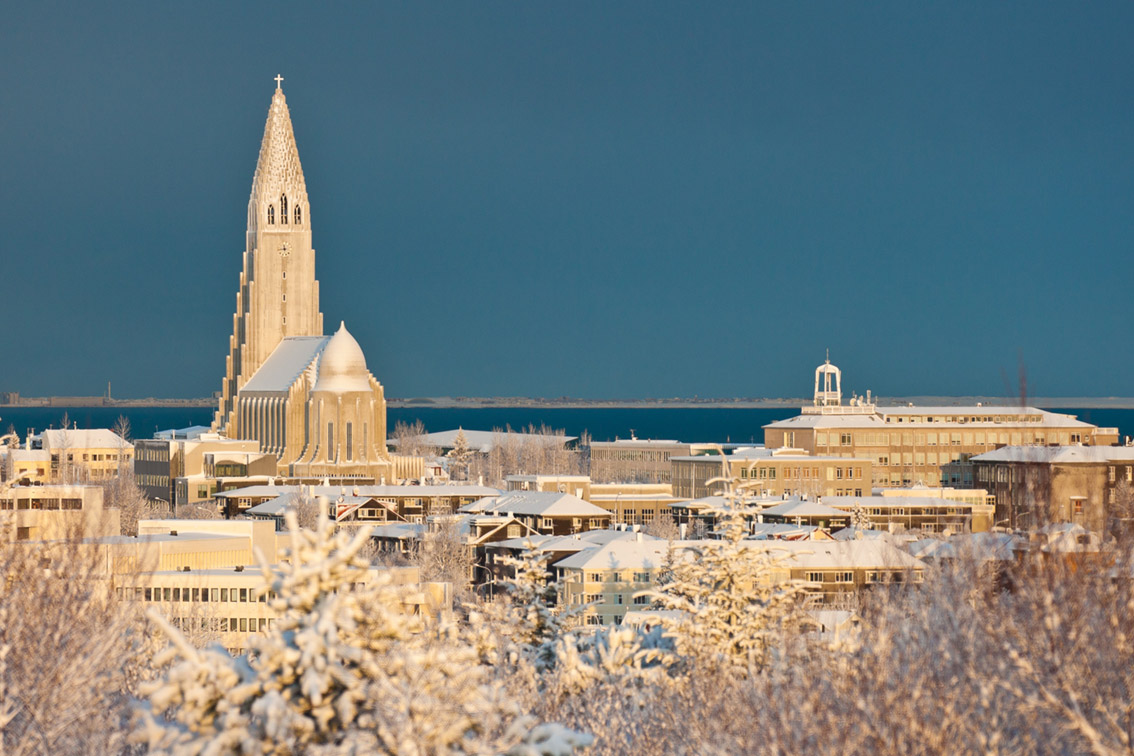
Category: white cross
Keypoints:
(278, 80)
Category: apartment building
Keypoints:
(47, 512)
(927, 514)
(1034, 486)
(545, 512)
(372, 503)
(610, 577)
(76, 456)
(773, 472)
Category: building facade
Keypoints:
(909, 445)
(774, 472)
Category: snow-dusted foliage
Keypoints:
(859, 519)
(342, 671)
(730, 605)
(526, 616)
(624, 655)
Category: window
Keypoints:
(349, 435)
(271, 215)
(618, 598)
(845, 439)
(298, 215)
(330, 439)
(844, 577)
(641, 577)
(214, 594)
(283, 209)
(223, 594)
(640, 600)
(815, 577)
(244, 594)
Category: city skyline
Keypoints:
(588, 202)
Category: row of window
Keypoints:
(45, 504)
(197, 595)
(979, 438)
(297, 213)
(966, 419)
(222, 624)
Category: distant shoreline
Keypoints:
(446, 402)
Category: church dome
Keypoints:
(342, 366)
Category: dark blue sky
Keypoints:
(591, 199)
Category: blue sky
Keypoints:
(587, 199)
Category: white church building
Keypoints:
(307, 398)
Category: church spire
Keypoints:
(279, 193)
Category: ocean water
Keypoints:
(699, 424)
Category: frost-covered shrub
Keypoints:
(727, 607)
(342, 671)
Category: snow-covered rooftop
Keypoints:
(1065, 455)
(91, 438)
(286, 363)
(966, 416)
(619, 554)
(801, 508)
(334, 492)
(540, 503)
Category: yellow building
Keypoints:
(908, 445)
(47, 512)
(634, 503)
(773, 472)
(75, 455)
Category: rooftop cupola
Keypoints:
(828, 385)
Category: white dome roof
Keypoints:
(342, 366)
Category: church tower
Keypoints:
(278, 296)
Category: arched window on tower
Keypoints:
(298, 215)
(283, 208)
(271, 215)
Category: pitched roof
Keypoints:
(286, 363)
(800, 508)
(539, 503)
(334, 492)
(619, 555)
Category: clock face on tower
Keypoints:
(284, 250)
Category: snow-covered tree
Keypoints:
(859, 519)
(342, 670)
(526, 615)
(730, 601)
(460, 456)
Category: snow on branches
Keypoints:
(342, 670)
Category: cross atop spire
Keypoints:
(279, 79)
